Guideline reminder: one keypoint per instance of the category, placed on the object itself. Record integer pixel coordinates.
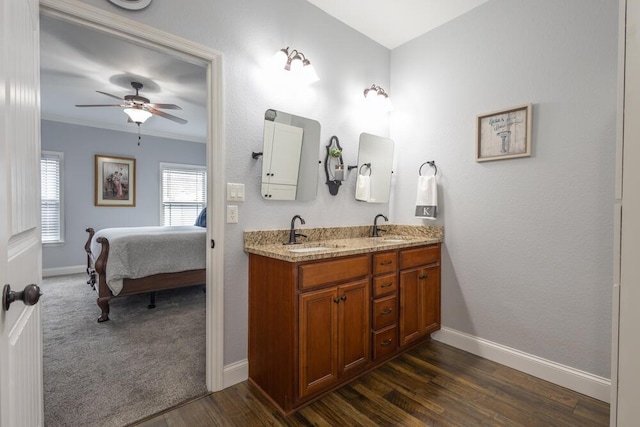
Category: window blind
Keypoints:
(50, 197)
(184, 193)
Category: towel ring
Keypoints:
(363, 165)
(432, 163)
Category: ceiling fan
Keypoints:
(139, 108)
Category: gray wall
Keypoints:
(528, 254)
(528, 242)
(248, 33)
(80, 144)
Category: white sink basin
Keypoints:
(310, 249)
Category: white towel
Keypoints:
(427, 197)
(363, 188)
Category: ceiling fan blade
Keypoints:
(167, 116)
(100, 105)
(108, 94)
(166, 106)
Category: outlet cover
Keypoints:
(232, 214)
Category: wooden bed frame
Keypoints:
(157, 282)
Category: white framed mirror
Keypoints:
(375, 166)
(290, 157)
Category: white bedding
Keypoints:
(136, 252)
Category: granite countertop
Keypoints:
(330, 242)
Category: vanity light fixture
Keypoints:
(297, 63)
(374, 91)
(376, 94)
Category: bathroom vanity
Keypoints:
(325, 311)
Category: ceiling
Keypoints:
(76, 62)
(392, 23)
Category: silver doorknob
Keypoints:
(30, 296)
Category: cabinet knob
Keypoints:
(343, 297)
(422, 276)
(336, 300)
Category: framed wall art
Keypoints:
(504, 134)
(115, 181)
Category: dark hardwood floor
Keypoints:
(433, 385)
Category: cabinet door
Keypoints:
(318, 341)
(410, 306)
(354, 324)
(430, 289)
(285, 154)
(419, 303)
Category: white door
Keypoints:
(21, 402)
(628, 411)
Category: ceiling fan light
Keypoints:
(137, 115)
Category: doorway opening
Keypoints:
(87, 17)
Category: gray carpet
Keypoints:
(136, 364)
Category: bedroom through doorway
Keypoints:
(142, 360)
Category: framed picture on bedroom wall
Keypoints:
(504, 134)
(115, 181)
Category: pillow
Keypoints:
(202, 218)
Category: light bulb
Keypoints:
(280, 58)
(137, 115)
(309, 72)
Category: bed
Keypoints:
(134, 260)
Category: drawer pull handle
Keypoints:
(422, 276)
(386, 285)
(387, 311)
(387, 262)
(386, 343)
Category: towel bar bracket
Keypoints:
(431, 163)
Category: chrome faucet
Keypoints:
(292, 232)
(375, 231)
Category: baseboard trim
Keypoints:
(562, 375)
(235, 373)
(61, 271)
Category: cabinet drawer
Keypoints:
(419, 256)
(385, 262)
(384, 285)
(334, 271)
(385, 342)
(385, 312)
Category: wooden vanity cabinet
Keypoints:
(309, 325)
(333, 335)
(315, 325)
(384, 305)
(419, 293)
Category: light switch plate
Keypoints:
(235, 192)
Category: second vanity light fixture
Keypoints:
(297, 63)
(376, 94)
